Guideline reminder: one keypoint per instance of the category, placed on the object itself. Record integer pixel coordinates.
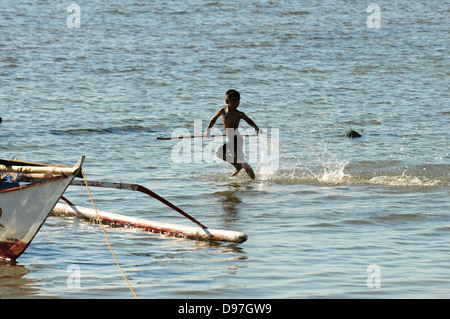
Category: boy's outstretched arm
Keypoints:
(251, 123)
(212, 122)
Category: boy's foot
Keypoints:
(249, 171)
(237, 170)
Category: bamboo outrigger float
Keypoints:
(151, 226)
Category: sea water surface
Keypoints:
(334, 217)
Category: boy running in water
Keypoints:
(231, 151)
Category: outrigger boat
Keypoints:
(25, 205)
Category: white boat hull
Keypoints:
(25, 207)
(23, 210)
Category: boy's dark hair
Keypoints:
(232, 93)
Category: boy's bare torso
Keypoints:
(231, 118)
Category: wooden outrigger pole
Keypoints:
(139, 188)
(172, 229)
(195, 136)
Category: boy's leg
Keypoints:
(237, 155)
(225, 153)
(238, 168)
(239, 161)
(221, 152)
(249, 171)
(232, 153)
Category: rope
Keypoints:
(106, 237)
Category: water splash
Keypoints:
(347, 173)
(333, 173)
(328, 173)
(404, 180)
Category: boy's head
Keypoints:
(232, 93)
(232, 98)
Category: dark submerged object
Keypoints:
(352, 134)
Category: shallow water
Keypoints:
(329, 209)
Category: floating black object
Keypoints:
(352, 134)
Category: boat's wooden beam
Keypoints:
(43, 171)
(138, 188)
